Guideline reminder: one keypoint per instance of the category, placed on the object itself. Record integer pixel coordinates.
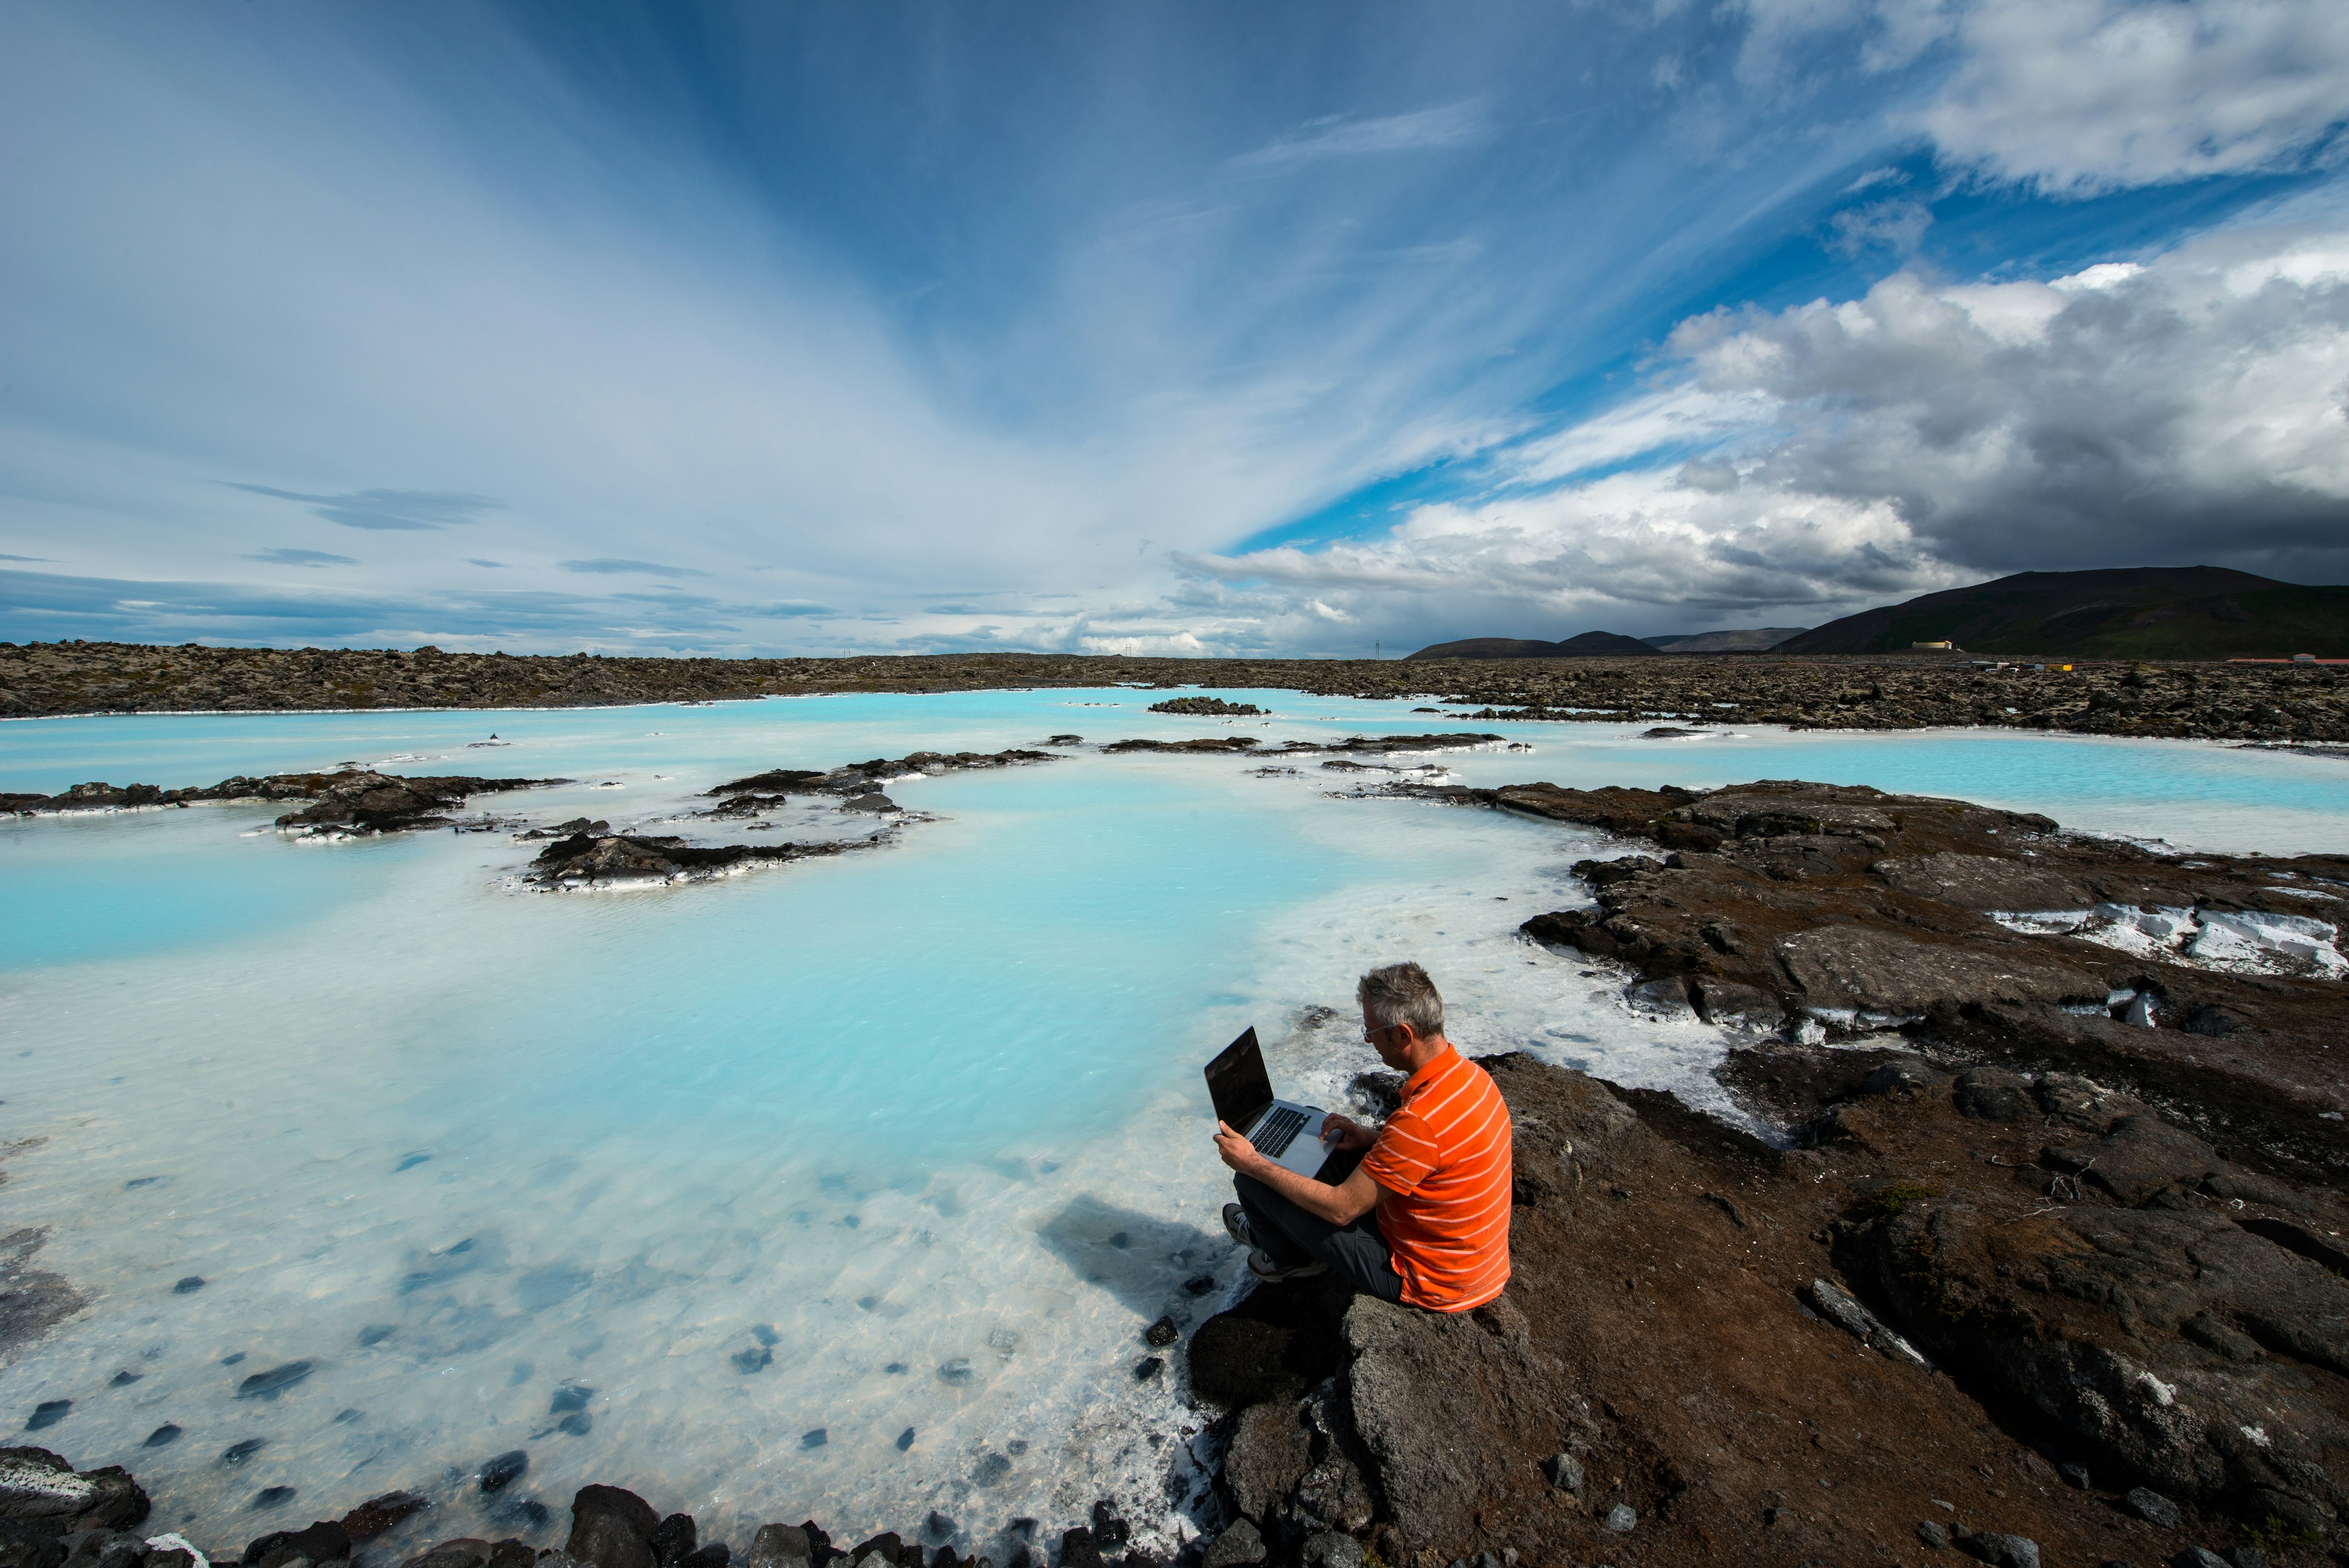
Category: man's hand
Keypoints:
(1238, 1152)
(1344, 1133)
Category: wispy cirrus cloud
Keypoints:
(285, 557)
(614, 565)
(395, 511)
(1339, 136)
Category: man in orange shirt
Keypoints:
(1423, 1218)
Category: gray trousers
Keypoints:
(1357, 1253)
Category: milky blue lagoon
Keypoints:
(786, 1167)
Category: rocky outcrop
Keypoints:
(587, 860)
(2205, 984)
(764, 792)
(1207, 708)
(353, 802)
(1926, 1311)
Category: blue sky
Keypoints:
(1139, 329)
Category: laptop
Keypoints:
(1288, 1135)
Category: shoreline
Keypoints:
(1875, 693)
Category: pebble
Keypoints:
(569, 1397)
(957, 1371)
(125, 1379)
(1931, 1533)
(1564, 1472)
(1148, 1368)
(2152, 1507)
(48, 1413)
(272, 1496)
(905, 1441)
(1163, 1333)
(237, 1453)
(504, 1470)
(758, 1359)
(814, 1438)
(1620, 1519)
(188, 1285)
(162, 1435)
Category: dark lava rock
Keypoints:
(1162, 1334)
(236, 1453)
(1993, 1094)
(1241, 1546)
(716, 1554)
(47, 1414)
(25, 1545)
(674, 1539)
(188, 1285)
(166, 1433)
(1078, 1550)
(2000, 1551)
(611, 1527)
(269, 1384)
(569, 1397)
(1148, 1368)
(781, 1546)
(584, 861)
(378, 1515)
(2152, 1507)
(1207, 707)
(323, 1542)
(504, 1470)
(378, 803)
(272, 1497)
(2142, 1156)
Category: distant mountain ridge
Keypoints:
(1611, 645)
(2138, 612)
(1589, 645)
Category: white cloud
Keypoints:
(2080, 96)
(2076, 96)
(2187, 409)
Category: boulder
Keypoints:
(1269, 1453)
(674, 1539)
(1241, 1546)
(780, 1546)
(1443, 1401)
(611, 1527)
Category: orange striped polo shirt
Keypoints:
(1444, 1175)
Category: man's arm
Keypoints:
(1339, 1205)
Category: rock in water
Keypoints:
(674, 1539)
(378, 1514)
(504, 1470)
(275, 1381)
(323, 1542)
(1162, 1334)
(611, 1527)
(780, 1546)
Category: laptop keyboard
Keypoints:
(1278, 1131)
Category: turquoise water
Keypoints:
(911, 1139)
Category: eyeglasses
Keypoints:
(1371, 1036)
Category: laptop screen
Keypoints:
(1239, 1083)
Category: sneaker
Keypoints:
(1261, 1265)
(1236, 1222)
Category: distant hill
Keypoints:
(1589, 645)
(2141, 612)
(1758, 639)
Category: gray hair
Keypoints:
(1402, 993)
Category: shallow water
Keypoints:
(910, 1140)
